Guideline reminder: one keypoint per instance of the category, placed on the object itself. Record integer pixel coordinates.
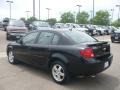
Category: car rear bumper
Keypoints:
(91, 68)
(115, 38)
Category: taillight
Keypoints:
(87, 53)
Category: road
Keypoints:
(25, 77)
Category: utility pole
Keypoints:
(118, 11)
(39, 9)
(27, 12)
(34, 8)
(79, 6)
(93, 8)
(48, 12)
(10, 2)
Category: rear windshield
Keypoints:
(79, 37)
(17, 23)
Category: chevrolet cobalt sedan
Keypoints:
(64, 53)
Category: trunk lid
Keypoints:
(100, 49)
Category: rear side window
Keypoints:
(79, 37)
(45, 38)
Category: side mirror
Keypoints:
(19, 41)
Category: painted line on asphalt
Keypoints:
(3, 54)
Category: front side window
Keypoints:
(55, 40)
(45, 38)
(30, 38)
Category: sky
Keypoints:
(19, 7)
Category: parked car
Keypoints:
(64, 53)
(91, 30)
(115, 36)
(40, 25)
(73, 26)
(58, 26)
(15, 29)
(1, 25)
(99, 30)
(5, 23)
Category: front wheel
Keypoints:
(59, 72)
(11, 57)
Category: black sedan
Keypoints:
(115, 36)
(64, 53)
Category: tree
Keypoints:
(31, 19)
(67, 17)
(116, 23)
(52, 21)
(102, 18)
(82, 18)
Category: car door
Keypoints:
(22, 49)
(40, 51)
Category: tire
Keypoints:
(59, 72)
(112, 40)
(11, 57)
(7, 38)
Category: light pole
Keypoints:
(112, 12)
(27, 12)
(48, 12)
(118, 11)
(34, 8)
(93, 8)
(10, 2)
(39, 9)
(79, 6)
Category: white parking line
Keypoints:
(3, 54)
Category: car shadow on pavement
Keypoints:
(100, 82)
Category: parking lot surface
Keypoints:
(25, 77)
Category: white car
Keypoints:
(75, 27)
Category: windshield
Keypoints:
(18, 23)
(79, 37)
(41, 24)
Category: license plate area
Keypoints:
(116, 37)
(106, 64)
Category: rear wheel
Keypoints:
(59, 72)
